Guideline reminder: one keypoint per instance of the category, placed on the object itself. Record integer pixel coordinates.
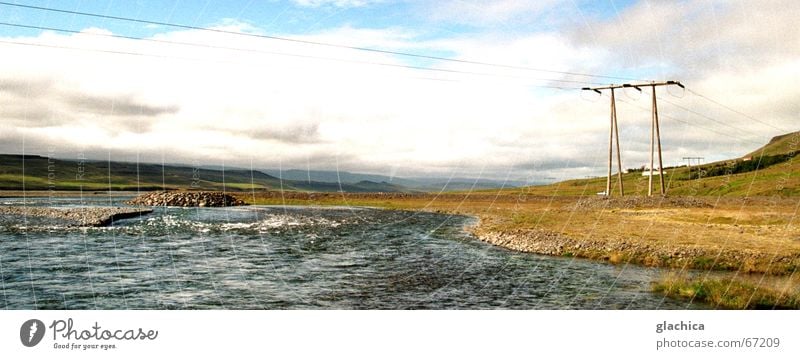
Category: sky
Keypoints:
(488, 89)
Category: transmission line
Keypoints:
(310, 42)
(702, 115)
(172, 42)
(694, 124)
(132, 53)
(735, 110)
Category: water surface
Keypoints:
(263, 257)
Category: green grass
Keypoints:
(782, 179)
(786, 143)
(732, 293)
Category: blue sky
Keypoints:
(295, 17)
(324, 107)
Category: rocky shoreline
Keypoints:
(638, 202)
(186, 199)
(620, 251)
(78, 216)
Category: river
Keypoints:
(274, 257)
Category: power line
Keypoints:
(132, 53)
(694, 124)
(45, 28)
(94, 50)
(734, 110)
(702, 115)
(311, 42)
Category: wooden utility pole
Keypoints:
(689, 163)
(613, 134)
(655, 127)
(616, 135)
(655, 134)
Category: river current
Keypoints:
(276, 257)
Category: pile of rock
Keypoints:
(594, 203)
(186, 199)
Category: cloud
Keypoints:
(292, 104)
(288, 134)
(695, 37)
(42, 102)
(488, 13)
(335, 3)
(24, 87)
(115, 105)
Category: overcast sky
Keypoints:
(129, 90)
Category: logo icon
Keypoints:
(31, 332)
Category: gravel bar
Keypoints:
(78, 216)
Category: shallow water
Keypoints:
(294, 258)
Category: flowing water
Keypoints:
(262, 257)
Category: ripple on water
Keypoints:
(293, 258)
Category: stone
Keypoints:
(187, 199)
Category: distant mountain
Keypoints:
(334, 176)
(362, 186)
(42, 173)
(434, 184)
(468, 185)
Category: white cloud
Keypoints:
(194, 100)
(336, 107)
(484, 13)
(336, 3)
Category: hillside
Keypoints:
(58, 174)
(426, 184)
(772, 169)
(782, 144)
(41, 173)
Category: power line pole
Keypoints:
(655, 132)
(656, 128)
(613, 134)
(689, 163)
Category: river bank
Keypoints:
(296, 257)
(752, 244)
(755, 235)
(743, 239)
